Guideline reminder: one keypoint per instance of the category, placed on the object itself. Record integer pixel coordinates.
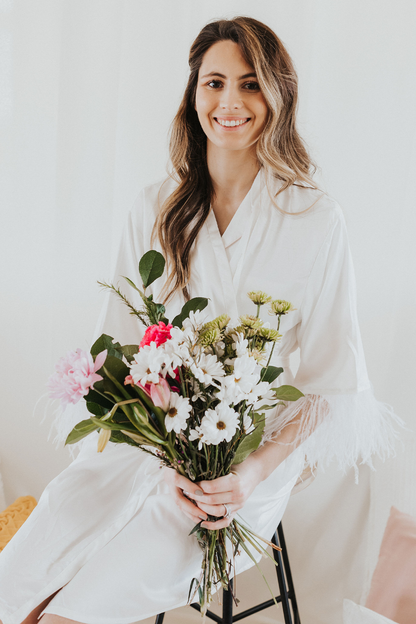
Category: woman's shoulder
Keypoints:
(301, 200)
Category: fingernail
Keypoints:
(198, 493)
(187, 493)
(202, 518)
(203, 524)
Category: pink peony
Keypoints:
(156, 333)
(75, 375)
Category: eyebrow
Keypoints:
(243, 77)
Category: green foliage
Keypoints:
(270, 373)
(197, 303)
(96, 409)
(129, 351)
(250, 443)
(81, 430)
(151, 266)
(106, 342)
(287, 393)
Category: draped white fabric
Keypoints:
(87, 92)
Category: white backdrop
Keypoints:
(87, 92)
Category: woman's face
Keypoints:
(231, 108)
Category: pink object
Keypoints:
(160, 394)
(75, 374)
(393, 587)
(156, 333)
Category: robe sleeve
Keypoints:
(340, 418)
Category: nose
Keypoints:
(230, 98)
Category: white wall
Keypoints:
(87, 92)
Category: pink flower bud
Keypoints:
(160, 394)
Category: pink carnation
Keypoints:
(156, 333)
(75, 375)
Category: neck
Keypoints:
(232, 171)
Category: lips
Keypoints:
(235, 122)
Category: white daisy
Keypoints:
(207, 368)
(261, 393)
(248, 424)
(197, 434)
(219, 424)
(194, 321)
(148, 364)
(240, 345)
(178, 412)
(242, 380)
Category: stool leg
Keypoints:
(288, 574)
(227, 605)
(160, 618)
(282, 581)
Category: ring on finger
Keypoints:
(227, 511)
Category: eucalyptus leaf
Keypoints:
(197, 303)
(287, 393)
(151, 266)
(106, 342)
(270, 373)
(250, 443)
(81, 430)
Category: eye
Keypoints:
(251, 86)
(214, 84)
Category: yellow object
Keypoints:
(12, 518)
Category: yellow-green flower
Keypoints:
(280, 306)
(259, 355)
(251, 322)
(271, 335)
(209, 337)
(220, 322)
(259, 297)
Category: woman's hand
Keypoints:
(178, 485)
(210, 497)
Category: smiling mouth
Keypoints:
(232, 123)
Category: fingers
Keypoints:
(188, 507)
(174, 478)
(219, 524)
(214, 510)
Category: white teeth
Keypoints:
(231, 123)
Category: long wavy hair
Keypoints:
(280, 149)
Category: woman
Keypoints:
(107, 541)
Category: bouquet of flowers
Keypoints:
(193, 393)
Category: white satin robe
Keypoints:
(106, 529)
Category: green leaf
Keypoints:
(197, 303)
(117, 368)
(270, 373)
(106, 342)
(81, 430)
(133, 285)
(120, 438)
(96, 397)
(96, 409)
(111, 425)
(287, 393)
(128, 351)
(151, 266)
(250, 443)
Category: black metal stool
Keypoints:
(287, 594)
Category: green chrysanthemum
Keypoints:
(209, 337)
(271, 335)
(280, 306)
(251, 322)
(259, 297)
(220, 323)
